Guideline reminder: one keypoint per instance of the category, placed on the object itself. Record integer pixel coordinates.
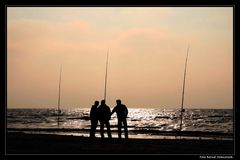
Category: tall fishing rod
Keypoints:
(59, 93)
(105, 87)
(185, 70)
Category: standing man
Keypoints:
(104, 115)
(122, 113)
(94, 119)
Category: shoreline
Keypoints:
(145, 134)
(22, 143)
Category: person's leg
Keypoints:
(119, 128)
(125, 128)
(94, 128)
(91, 132)
(108, 129)
(102, 129)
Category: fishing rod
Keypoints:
(59, 93)
(105, 87)
(185, 70)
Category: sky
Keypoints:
(147, 52)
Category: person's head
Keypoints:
(118, 101)
(103, 102)
(96, 103)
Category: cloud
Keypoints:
(145, 64)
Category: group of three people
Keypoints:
(102, 113)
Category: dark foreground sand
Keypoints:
(20, 143)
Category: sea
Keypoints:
(142, 122)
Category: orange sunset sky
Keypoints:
(147, 51)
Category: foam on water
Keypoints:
(205, 120)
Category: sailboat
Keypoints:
(182, 109)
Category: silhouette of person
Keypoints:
(94, 119)
(104, 115)
(122, 113)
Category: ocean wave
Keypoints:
(134, 131)
(164, 120)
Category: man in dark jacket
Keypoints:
(122, 113)
(94, 119)
(104, 115)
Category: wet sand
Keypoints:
(21, 143)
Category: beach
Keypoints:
(22, 143)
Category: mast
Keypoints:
(105, 87)
(59, 93)
(185, 70)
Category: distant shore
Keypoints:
(21, 143)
